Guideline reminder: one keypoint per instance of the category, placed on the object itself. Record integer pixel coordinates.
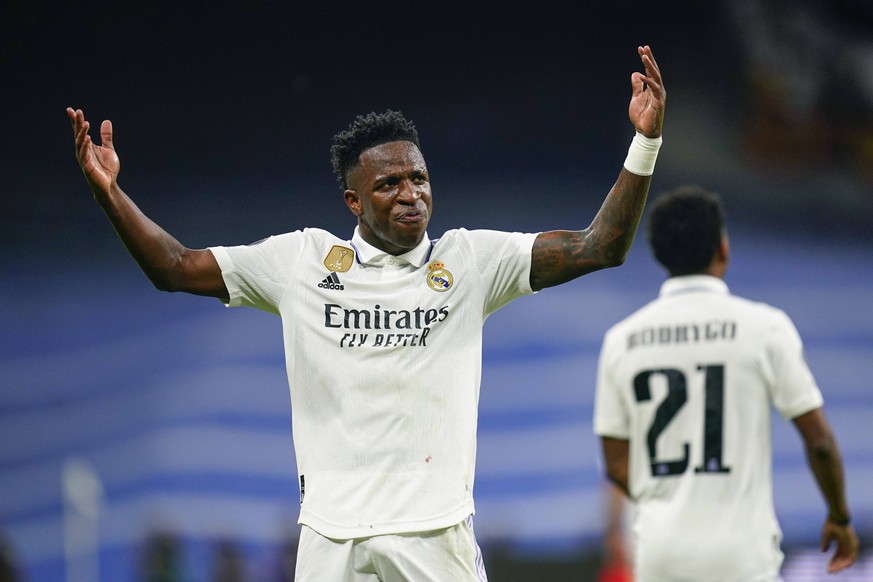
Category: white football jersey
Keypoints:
(689, 380)
(383, 357)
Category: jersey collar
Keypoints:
(368, 254)
(693, 283)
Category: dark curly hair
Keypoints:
(364, 132)
(684, 228)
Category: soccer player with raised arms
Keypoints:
(383, 334)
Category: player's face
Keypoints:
(389, 192)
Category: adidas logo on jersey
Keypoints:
(332, 282)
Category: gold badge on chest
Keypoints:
(438, 277)
(339, 259)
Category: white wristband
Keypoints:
(641, 155)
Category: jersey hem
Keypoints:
(343, 532)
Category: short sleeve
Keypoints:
(503, 259)
(611, 416)
(257, 275)
(794, 389)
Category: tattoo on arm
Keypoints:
(559, 256)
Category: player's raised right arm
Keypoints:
(166, 262)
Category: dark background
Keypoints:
(223, 111)
(223, 116)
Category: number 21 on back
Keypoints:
(677, 396)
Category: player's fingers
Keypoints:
(106, 134)
(71, 114)
(840, 561)
(82, 140)
(649, 60)
(84, 151)
(79, 124)
(637, 83)
(654, 85)
(826, 539)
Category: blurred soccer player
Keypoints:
(684, 391)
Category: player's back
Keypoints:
(697, 371)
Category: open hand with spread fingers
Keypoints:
(646, 110)
(99, 163)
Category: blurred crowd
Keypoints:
(809, 82)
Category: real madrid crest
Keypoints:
(438, 277)
(339, 259)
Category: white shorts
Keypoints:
(433, 556)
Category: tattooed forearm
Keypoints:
(559, 256)
(616, 224)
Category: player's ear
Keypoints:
(724, 248)
(353, 201)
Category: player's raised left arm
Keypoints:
(559, 256)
